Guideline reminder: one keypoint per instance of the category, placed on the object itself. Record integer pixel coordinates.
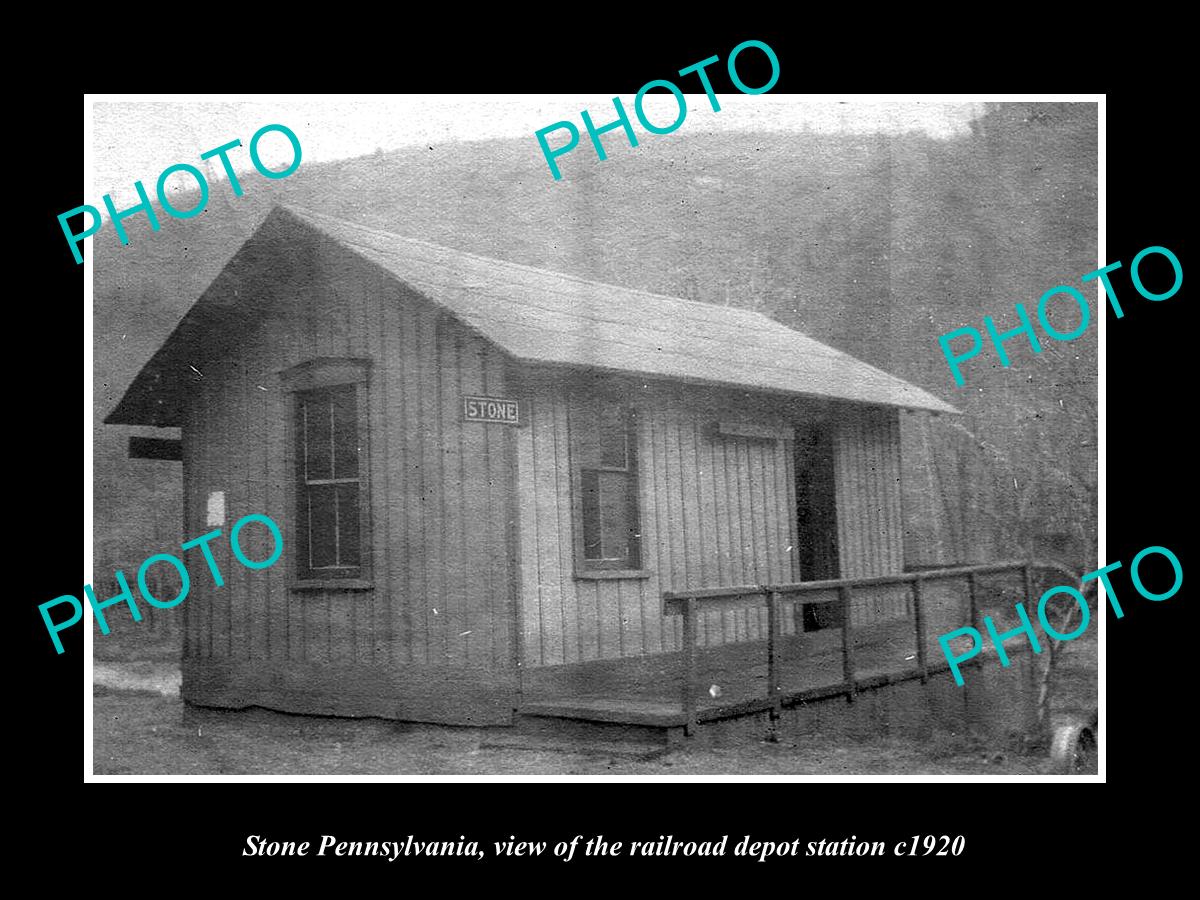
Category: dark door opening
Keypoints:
(816, 521)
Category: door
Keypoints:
(816, 520)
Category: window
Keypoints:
(608, 535)
(330, 464)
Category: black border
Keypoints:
(1148, 436)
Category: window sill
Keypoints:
(333, 584)
(608, 574)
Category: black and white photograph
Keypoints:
(518, 435)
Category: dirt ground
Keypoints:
(140, 727)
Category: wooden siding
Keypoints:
(438, 494)
(870, 522)
(715, 511)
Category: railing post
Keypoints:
(772, 653)
(919, 615)
(689, 666)
(847, 643)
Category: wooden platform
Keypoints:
(644, 695)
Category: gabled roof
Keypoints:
(540, 316)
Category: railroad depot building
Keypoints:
(488, 476)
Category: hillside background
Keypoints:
(874, 244)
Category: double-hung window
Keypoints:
(608, 533)
(329, 409)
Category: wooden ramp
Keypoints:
(995, 700)
(643, 696)
(888, 663)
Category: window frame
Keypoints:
(631, 566)
(317, 375)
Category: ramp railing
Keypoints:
(691, 604)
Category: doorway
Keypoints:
(816, 521)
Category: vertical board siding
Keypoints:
(392, 617)
(528, 509)
(475, 571)
(652, 622)
(500, 462)
(437, 499)
(659, 538)
(435, 464)
(374, 635)
(576, 627)
(278, 334)
(870, 525)
(406, 432)
(454, 619)
(714, 511)
(928, 538)
(549, 523)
